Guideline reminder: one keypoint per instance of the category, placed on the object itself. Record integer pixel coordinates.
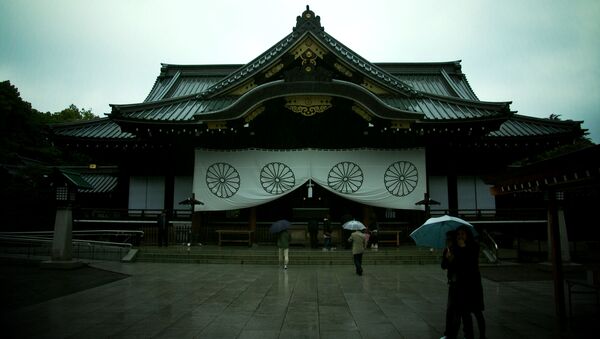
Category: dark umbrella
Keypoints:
(279, 226)
(191, 201)
(427, 202)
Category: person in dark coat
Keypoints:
(452, 314)
(163, 228)
(469, 290)
(283, 246)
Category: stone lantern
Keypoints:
(66, 183)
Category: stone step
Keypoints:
(268, 256)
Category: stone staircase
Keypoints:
(267, 255)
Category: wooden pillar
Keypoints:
(557, 269)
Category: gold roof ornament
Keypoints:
(308, 105)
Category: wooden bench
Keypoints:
(396, 241)
(247, 236)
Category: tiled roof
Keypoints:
(195, 79)
(101, 183)
(102, 128)
(522, 126)
(181, 110)
(435, 109)
(179, 85)
(75, 178)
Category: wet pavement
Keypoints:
(305, 301)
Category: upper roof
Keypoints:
(438, 78)
(406, 91)
(308, 61)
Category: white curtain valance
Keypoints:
(225, 180)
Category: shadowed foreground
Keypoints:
(143, 300)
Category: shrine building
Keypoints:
(308, 128)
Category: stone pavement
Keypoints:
(261, 301)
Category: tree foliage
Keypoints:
(23, 129)
(71, 113)
(26, 153)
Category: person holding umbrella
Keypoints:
(283, 240)
(358, 241)
(452, 315)
(469, 290)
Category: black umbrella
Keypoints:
(191, 201)
(279, 226)
(427, 202)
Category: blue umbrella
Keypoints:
(279, 226)
(433, 232)
(353, 225)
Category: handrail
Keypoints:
(494, 247)
(82, 232)
(41, 247)
(45, 240)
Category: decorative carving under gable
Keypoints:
(300, 74)
(308, 105)
(245, 87)
(278, 67)
(309, 61)
(375, 89)
(362, 112)
(216, 124)
(309, 44)
(342, 69)
(254, 113)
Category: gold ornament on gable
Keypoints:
(362, 112)
(253, 114)
(308, 105)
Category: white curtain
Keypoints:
(226, 180)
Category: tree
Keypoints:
(26, 155)
(71, 113)
(22, 128)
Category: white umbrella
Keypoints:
(354, 225)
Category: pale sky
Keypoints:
(543, 55)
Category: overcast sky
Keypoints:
(542, 55)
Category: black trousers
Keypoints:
(358, 263)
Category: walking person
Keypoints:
(469, 290)
(359, 242)
(283, 245)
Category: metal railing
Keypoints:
(38, 245)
